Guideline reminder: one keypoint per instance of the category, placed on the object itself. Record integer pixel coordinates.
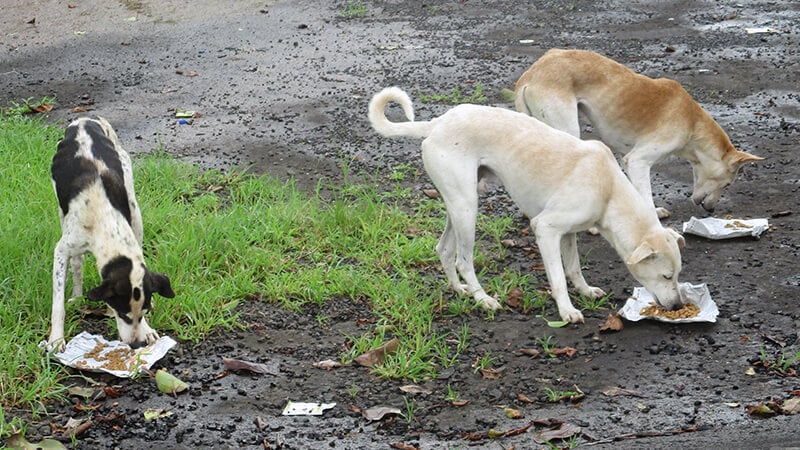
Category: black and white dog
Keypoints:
(93, 181)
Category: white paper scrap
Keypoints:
(100, 350)
(306, 409)
(693, 293)
(713, 228)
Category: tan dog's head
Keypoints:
(711, 177)
(656, 263)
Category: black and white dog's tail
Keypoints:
(377, 115)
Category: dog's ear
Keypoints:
(642, 251)
(100, 293)
(160, 284)
(740, 158)
(678, 238)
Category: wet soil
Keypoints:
(282, 87)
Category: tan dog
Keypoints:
(647, 119)
(565, 184)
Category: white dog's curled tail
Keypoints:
(377, 115)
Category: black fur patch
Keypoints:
(73, 174)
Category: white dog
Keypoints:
(565, 184)
(94, 185)
(647, 119)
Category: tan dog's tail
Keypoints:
(377, 115)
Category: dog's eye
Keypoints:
(667, 277)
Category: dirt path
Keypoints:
(283, 86)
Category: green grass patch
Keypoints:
(456, 97)
(228, 237)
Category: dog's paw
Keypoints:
(57, 345)
(594, 292)
(663, 213)
(486, 301)
(571, 315)
(151, 336)
(461, 289)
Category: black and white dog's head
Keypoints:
(128, 289)
(93, 181)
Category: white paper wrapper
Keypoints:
(713, 228)
(693, 293)
(80, 345)
(306, 409)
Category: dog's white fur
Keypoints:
(565, 184)
(646, 119)
(93, 223)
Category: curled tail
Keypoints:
(377, 115)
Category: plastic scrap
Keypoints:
(305, 409)
(74, 355)
(713, 228)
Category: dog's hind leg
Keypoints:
(446, 248)
(560, 112)
(549, 238)
(572, 267)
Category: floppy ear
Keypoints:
(642, 251)
(160, 283)
(100, 293)
(741, 158)
(678, 238)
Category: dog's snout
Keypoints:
(137, 344)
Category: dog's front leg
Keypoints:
(150, 335)
(549, 241)
(57, 314)
(572, 266)
(76, 264)
(638, 168)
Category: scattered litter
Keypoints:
(526, 41)
(328, 364)
(184, 122)
(713, 228)
(184, 114)
(305, 409)
(761, 30)
(102, 354)
(696, 294)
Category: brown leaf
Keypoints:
(517, 431)
(532, 352)
(618, 391)
(514, 298)
(568, 351)
(613, 323)
(82, 407)
(508, 243)
(43, 108)
(79, 109)
(191, 73)
(512, 413)
(563, 431)
(403, 446)
(459, 402)
(414, 389)
(378, 412)
(328, 364)
(490, 373)
(524, 398)
(431, 193)
(759, 410)
(375, 356)
(238, 364)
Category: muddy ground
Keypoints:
(283, 86)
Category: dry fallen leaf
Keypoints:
(378, 412)
(514, 298)
(375, 356)
(532, 352)
(459, 402)
(512, 413)
(613, 323)
(563, 431)
(403, 446)
(524, 398)
(328, 364)
(759, 410)
(414, 389)
(618, 391)
(490, 373)
(431, 193)
(238, 364)
(568, 351)
(791, 406)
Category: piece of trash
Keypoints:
(761, 30)
(94, 353)
(305, 408)
(184, 114)
(414, 389)
(526, 41)
(328, 364)
(714, 228)
(696, 294)
(168, 383)
(183, 122)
